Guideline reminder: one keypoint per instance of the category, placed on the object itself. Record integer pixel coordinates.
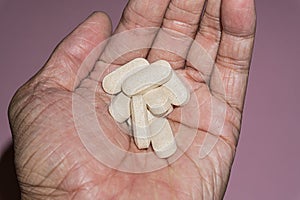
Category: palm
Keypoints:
(53, 161)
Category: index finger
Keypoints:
(139, 24)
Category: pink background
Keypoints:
(267, 162)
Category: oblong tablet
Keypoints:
(139, 122)
(113, 81)
(157, 101)
(148, 78)
(119, 108)
(176, 90)
(162, 140)
(150, 116)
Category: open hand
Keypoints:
(51, 160)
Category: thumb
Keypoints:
(62, 69)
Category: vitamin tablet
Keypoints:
(139, 122)
(145, 95)
(162, 140)
(148, 78)
(157, 101)
(113, 81)
(119, 108)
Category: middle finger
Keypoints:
(178, 30)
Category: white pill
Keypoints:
(157, 101)
(113, 81)
(119, 108)
(177, 91)
(150, 116)
(162, 140)
(139, 122)
(148, 78)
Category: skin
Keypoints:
(52, 162)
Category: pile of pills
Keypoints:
(144, 95)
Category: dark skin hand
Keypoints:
(51, 160)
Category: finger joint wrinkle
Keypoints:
(133, 19)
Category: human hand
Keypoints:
(51, 160)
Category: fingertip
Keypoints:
(84, 44)
(101, 18)
(239, 17)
